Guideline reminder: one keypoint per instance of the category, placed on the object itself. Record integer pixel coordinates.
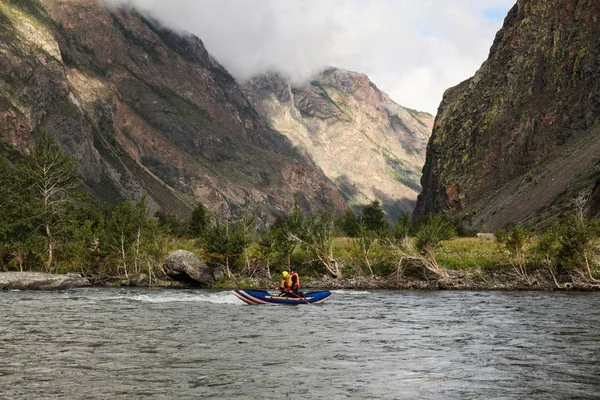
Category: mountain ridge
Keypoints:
(144, 110)
(369, 146)
(536, 95)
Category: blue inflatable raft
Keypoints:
(253, 297)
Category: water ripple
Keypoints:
(157, 344)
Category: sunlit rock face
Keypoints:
(371, 147)
(519, 141)
(144, 110)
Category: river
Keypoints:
(158, 344)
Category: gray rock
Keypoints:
(185, 266)
(219, 273)
(40, 281)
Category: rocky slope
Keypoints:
(144, 110)
(371, 147)
(519, 141)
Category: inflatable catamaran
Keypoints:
(254, 297)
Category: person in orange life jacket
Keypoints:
(286, 284)
(295, 281)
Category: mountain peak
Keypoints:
(371, 147)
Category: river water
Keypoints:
(157, 344)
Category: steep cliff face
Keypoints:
(371, 147)
(519, 140)
(144, 110)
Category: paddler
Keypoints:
(295, 281)
(285, 286)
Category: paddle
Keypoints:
(300, 297)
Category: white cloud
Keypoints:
(413, 50)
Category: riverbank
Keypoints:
(472, 280)
(505, 280)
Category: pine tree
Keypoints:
(198, 221)
(51, 177)
(350, 224)
(373, 217)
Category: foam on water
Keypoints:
(189, 297)
(224, 297)
(350, 292)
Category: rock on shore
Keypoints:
(185, 266)
(40, 281)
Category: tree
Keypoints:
(366, 240)
(576, 243)
(225, 242)
(124, 231)
(402, 228)
(373, 217)
(198, 221)
(284, 229)
(316, 237)
(514, 241)
(432, 231)
(266, 248)
(169, 222)
(7, 200)
(85, 226)
(51, 177)
(154, 246)
(547, 245)
(350, 223)
(248, 227)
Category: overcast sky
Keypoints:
(412, 49)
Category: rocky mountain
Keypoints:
(143, 109)
(521, 139)
(371, 147)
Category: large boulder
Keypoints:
(40, 281)
(185, 266)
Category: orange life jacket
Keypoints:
(295, 283)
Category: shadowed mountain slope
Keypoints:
(519, 141)
(144, 110)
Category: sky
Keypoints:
(411, 49)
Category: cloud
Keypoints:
(411, 50)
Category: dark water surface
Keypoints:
(135, 344)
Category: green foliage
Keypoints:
(266, 247)
(548, 244)
(50, 178)
(224, 242)
(125, 226)
(432, 230)
(373, 217)
(576, 241)
(169, 223)
(198, 221)
(284, 229)
(515, 240)
(85, 229)
(349, 223)
(315, 237)
(402, 228)
(366, 241)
